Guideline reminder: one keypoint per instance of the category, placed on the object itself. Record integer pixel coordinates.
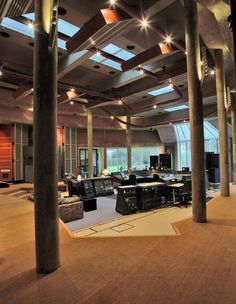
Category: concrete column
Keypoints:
(90, 142)
(105, 157)
(232, 20)
(128, 134)
(222, 122)
(195, 111)
(45, 142)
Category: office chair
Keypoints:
(185, 194)
(132, 179)
(156, 177)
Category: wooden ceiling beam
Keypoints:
(22, 92)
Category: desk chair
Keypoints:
(185, 194)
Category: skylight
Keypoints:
(113, 50)
(161, 91)
(177, 108)
(63, 27)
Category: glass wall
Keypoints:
(116, 158)
(182, 131)
(140, 157)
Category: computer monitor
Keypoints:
(185, 169)
(122, 174)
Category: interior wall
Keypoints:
(6, 152)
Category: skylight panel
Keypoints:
(64, 27)
(161, 91)
(18, 27)
(177, 108)
(97, 58)
(111, 48)
(112, 64)
(124, 55)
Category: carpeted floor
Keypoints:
(196, 267)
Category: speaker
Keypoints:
(165, 161)
(214, 175)
(154, 161)
(126, 200)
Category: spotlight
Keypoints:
(31, 25)
(170, 123)
(141, 71)
(71, 102)
(186, 53)
(32, 89)
(201, 62)
(184, 121)
(155, 106)
(144, 23)
(212, 72)
(171, 85)
(112, 117)
(112, 2)
(72, 89)
(168, 39)
(98, 53)
(0, 73)
(120, 102)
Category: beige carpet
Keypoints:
(198, 266)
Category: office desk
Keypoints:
(175, 187)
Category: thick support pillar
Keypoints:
(195, 111)
(90, 142)
(222, 122)
(45, 142)
(232, 20)
(233, 121)
(128, 134)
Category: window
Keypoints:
(177, 108)
(113, 50)
(140, 157)
(182, 131)
(116, 158)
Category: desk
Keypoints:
(174, 187)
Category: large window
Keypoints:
(182, 131)
(140, 157)
(116, 158)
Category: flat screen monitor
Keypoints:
(165, 161)
(185, 169)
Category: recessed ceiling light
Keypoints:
(112, 72)
(96, 66)
(168, 39)
(31, 25)
(155, 106)
(170, 123)
(98, 53)
(120, 102)
(112, 117)
(0, 73)
(71, 102)
(31, 44)
(144, 23)
(130, 47)
(72, 89)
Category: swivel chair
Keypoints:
(185, 194)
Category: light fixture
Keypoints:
(0, 73)
(141, 71)
(72, 89)
(212, 72)
(170, 123)
(31, 25)
(184, 121)
(32, 89)
(98, 53)
(168, 39)
(186, 53)
(120, 102)
(71, 102)
(144, 23)
(201, 62)
(171, 84)
(112, 117)
(155, 106)
(112, 2)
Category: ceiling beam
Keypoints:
(145, 57)
(103, 22)
(22, 91)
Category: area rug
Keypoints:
(105, 212)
